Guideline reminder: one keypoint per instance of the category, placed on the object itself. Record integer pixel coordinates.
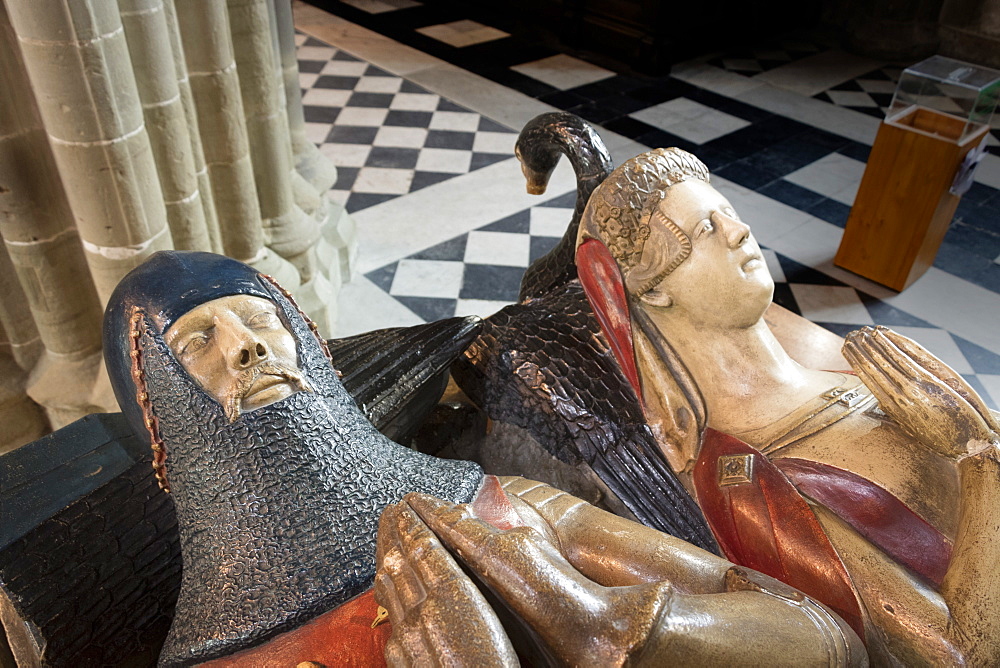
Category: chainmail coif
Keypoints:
(278, 511)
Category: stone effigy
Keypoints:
(787, 463)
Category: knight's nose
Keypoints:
(250, 353)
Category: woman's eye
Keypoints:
(705, 227)
(731, 212)
(262, 320)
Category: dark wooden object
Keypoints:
(903, 207)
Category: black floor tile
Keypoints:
(351, 134)
(409, 119)
(359, 201)
(519, 223)
(320, 114)
(336, 82)
(424, 179)
(480, 160)
(397, 158)
(980, 359)
(541, 245)
(383, 277)
(373, 100)
(791, 194)
(484, 281)
(451, 250)
(831, 211)
(450, 139)
(429, 308)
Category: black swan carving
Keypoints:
(544, 366)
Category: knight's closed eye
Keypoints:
(705, 227)
(194, 344)
(263, 320)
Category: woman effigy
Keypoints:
(876, 493)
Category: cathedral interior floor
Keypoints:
(419, 110)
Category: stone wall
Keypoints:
(132, 126)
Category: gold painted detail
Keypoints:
(137, 324)
(735, 470)
(381, 616)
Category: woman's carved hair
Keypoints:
(621, 208)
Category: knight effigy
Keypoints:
(833, 517)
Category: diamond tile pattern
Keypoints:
(388, 136)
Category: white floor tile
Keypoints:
(494, 142)
(326, 97)
(851, 98)
(877, 85)
(454, 120)
(988, 171)
(713, 78)
(345, 68)
(815, 74)
(691, 120)
(364, 307)
(381, 6)
(317, 132)
(378, 85)
(744, 64)
(563, 72)
(415, 102)
(833, 175)
(841, 121)
(383, 180)
(992, 384)
(773, 266)
(400, 137)
(346, 155)
(427, 278)
(307, 79)
(462, 33)
(550, 222)
(398, 228)
(338, 196)
(831, 303)
(481, 307)
(362, 116)
(449, 161)
(300, 39)
(940, 344)
(315, 52)
(502, 248)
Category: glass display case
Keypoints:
(945, 97)
(923, 160)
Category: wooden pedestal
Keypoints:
(903, 207)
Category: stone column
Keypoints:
(148, 37)
(208, 50)
(78, 64)
(288, 230)
(191, 114)
(21, 419)
(338, 245)
(314, 167)
(49, 285)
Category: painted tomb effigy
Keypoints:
(833, 517)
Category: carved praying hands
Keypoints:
(580, 586)
(922, 394)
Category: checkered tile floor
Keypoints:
(390, 137)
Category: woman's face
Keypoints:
(724, 282)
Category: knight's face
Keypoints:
(238, 351)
